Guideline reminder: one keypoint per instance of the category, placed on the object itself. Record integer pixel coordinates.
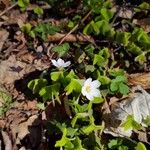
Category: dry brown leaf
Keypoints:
(23, 128)
(3, 37)
(7, 3)
(144, 23)
(142, 79)
(13, 69)
(15, 17)
(142, 136)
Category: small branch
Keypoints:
(71, 31)
(7, 141)
(70, 38)
(8, 9)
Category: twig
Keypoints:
(9, 8)
(71, 31)
(7, 141)
(70, 38)
(115, 17)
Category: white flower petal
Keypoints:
(96, 84)
(66, 64)
(89, 96)
(60, 62)
(88, 81)
(54, 62)
(83, 91)
(95, 93)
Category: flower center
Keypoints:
(88, 88)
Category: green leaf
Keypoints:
(37, 10)
(26, 28)
(123, 37)
(63, 140)
(71, 75)
(121, 79)
(116, 72)
(113, 144)
(89, 68)
(45, 29)
(104, 27)
(97, 100)
(5, 102)
(130, 123)
(140, 146)
(114, 86)
(73, 86)
(134, 49)
(70, 24)
(141, 59)
(62, 49)
(56, 75)
(88, 29)
(36, 85)
(144, 5)
(23, 3)
(77, 144)
(78, 116)
(123, 89)
(105, 53)
(122, 147)
(99, 60)
(88, 129)
(50, 92)
(40, 106)
(147, 121)
(106, 14)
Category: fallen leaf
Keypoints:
(3, 37)
(138, 106)
(142, 79)
(144, 23)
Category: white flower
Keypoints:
(60, 63)
(90, 89)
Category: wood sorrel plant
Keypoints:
(79, 94)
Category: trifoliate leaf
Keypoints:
(123, 37)
(121, 79)
(99, 60)
(114, 86)
(123, 89)
(141, 58)
(50, 92)
(37, 10)
(73, 86)
(106, 14)
(56, 75)
(36, 85)
(130, 123)
(62, 49)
